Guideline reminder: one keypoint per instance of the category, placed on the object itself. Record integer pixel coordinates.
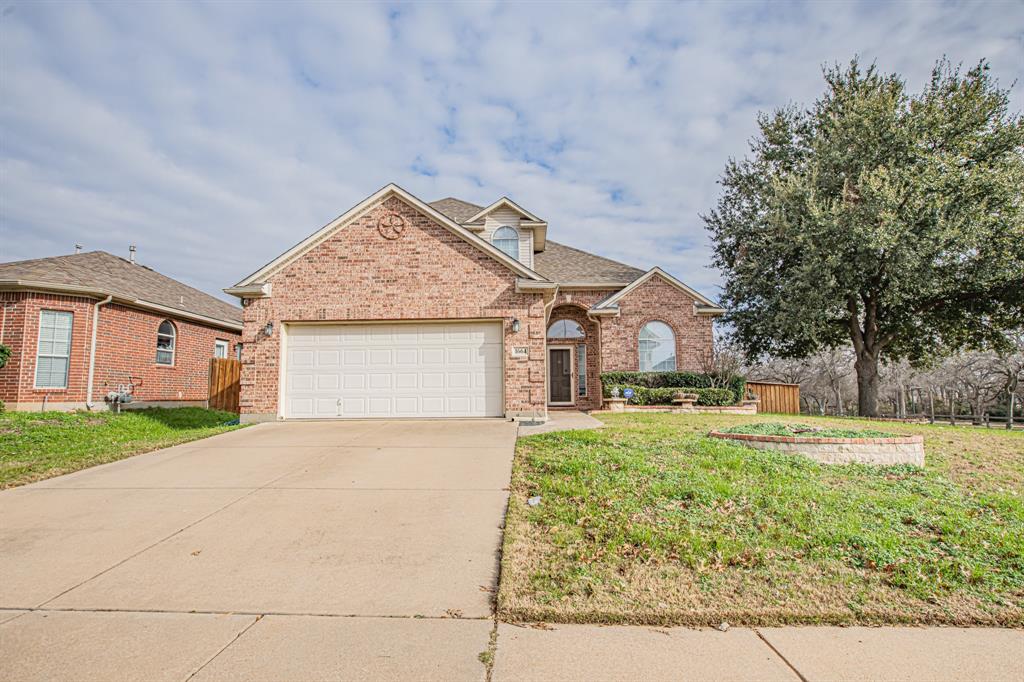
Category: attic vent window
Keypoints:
(506, 239)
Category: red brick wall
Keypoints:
(12, 314)
(426, 273)
(126, 348)
(655, 299)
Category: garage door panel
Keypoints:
(327, 382)
(394, 370)
(353, 382)
(407, 357)
(381, 357)
(353, 358)
(432, 356)
(300, 382)
(301, 358)
(354, 407)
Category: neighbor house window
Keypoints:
(507, 240)
(565, 329)
(53, 354)
(165, 338)
(657, 348)
(581, 361)
(220, 349)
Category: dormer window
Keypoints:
(506, 239)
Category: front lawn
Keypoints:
(38, 445)
(649, 521)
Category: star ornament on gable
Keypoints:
(391, 225)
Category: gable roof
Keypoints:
(505, 201)
(358, 210)
(99, 273)
(458, 210)
(565, 264)
(704, 304)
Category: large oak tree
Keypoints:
(890, 220)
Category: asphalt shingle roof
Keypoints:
(561, 263)
(557, 262)
(458, 210)
(111, 274)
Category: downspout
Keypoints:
(92, 349)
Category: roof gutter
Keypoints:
(23, 285)
(92, 349)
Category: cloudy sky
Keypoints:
(216, 135)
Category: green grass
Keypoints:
(805, 430)
(38, 445)
(649, 521)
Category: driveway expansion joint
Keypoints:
(778, 653)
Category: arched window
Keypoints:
(565, 329)
(165, 337)
(507, 240)
(657, 348)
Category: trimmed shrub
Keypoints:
(737, 385)
(663, 396)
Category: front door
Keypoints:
(560, 375)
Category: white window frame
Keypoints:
(221, 343)
(566, 320)
(640, 352)
(174, 344)
(581, 370)
(39, 353)
(496, 241)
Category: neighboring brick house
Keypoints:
(154, 336)
(400, 308)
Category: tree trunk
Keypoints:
(867, 384)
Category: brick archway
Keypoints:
(591, 343)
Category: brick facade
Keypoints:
(125, 353)
(426, 273)
(614, 346)
(655, 299)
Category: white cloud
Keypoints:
(215, 136)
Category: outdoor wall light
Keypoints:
(515, 326)
(269, 329)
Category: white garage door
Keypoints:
(429, 369)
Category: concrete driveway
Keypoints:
(281, 551)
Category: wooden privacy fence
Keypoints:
(225, 384)
(778, 398)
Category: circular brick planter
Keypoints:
(897, 450)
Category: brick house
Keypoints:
(94, 320)
(402, 308)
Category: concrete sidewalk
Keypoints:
(589, 652)
(562, 420)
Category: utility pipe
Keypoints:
(92, 349)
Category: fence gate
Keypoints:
(225, 384)
(777, 398)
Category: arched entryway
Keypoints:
(572, 359)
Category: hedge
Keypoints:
(737, 385)
(663, 396)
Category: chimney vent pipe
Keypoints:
(131, 253)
